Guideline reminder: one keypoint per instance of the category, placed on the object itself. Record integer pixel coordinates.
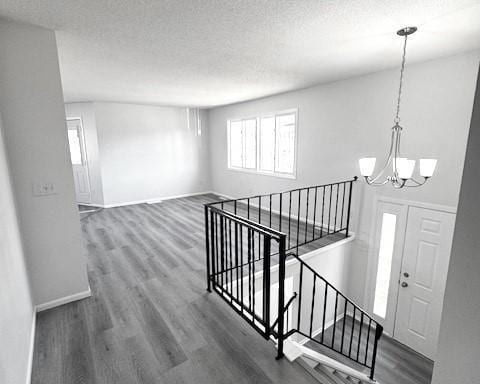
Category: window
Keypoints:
(384, 269)
(75, 146)
(264, 144)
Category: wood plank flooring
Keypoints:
(150, 319)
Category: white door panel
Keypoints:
(423, 276)
(79, 160)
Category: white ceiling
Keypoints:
(213, 52)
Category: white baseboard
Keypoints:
(63, 300)
(31, 348)
(154, 200)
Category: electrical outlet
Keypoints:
(44, 189)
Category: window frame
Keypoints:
(257, 170)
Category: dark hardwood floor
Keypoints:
(150, 319)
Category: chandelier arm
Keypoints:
(382, 171)
(375, 184)
(416, 183)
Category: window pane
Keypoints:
(385, 254)
(75, 149)
(285, 143)
(236, 146)
(267, 144)
(250, 137)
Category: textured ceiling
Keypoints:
(207, 52)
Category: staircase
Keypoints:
(254, 263)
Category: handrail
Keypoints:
(332, 342)
(304, 215)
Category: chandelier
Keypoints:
(402, 168)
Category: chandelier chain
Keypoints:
(397, 116)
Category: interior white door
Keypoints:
(423, 276)
(79, 160)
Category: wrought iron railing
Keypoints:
(246, 237)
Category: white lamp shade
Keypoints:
(367, 165)
(405, 168)
(427, 167)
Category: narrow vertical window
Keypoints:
(384, 267)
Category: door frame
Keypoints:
(369, 293)
(84, 154)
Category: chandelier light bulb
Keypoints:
(367, 165)
(405, 168)
(427, 167)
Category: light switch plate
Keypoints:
(44, 189)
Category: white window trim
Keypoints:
(257, 170)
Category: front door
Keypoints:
(426, 255)
(79, 160)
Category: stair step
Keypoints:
(344, 378)
(334, 376)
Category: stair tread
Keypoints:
(335, 378)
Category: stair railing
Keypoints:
(327, 317)
(242, 237)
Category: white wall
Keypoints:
(16, 308)
(343, 121)
(148, 153)
(86, 112)
(31, 103)
(459, 345)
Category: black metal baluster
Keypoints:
(207, 247)
(270, 213)
(343, 206)
(360, 335)
(349, 206)
(212, 243)
(253, 275)
(314, 214)
(231, 259)
(313, 305)
(241, 266)
(343, 326)
(281, 213)
(259, 209)
(325, 298)
(323, 211)
(248, 208)
(300, 286)
(329, 210)
(266, 283)
(217, 277)
(281, 295)
(306, 215)
(368, 340)
(335, 320)
(236, 256)
(298, 218)
(378, 334)
(353, 328)
(222, 252)
(289, 218)
(249, 232)
(235, 207)
(336, 211)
